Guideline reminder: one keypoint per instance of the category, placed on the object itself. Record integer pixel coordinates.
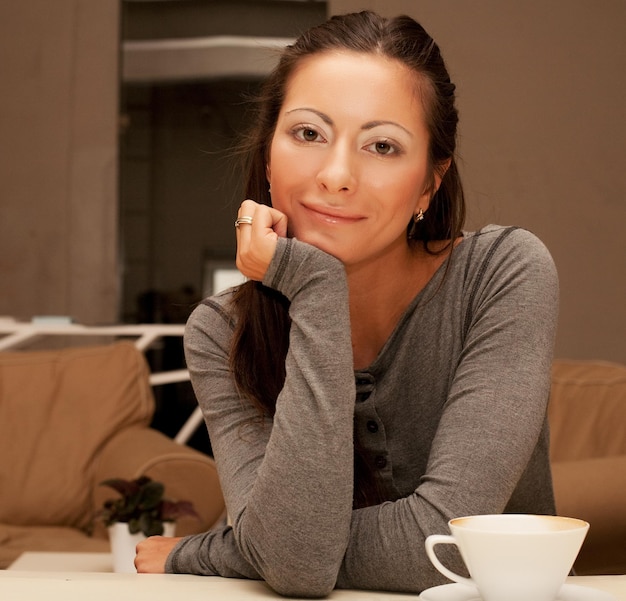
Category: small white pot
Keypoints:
(123, 544)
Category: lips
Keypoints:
(331, 215)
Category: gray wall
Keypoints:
(61, 248)
(58, 161)
(542, 100)
(542, 97)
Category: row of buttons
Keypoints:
(365, 384)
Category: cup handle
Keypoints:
(444, 539)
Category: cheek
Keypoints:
(280, 180)
(290, 171)
(281, 163)
(401, 188)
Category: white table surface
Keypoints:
(19, 583)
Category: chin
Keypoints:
(321, 242)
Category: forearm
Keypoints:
(213, 553)
(490, 449)
(287, 481)
(295, 523)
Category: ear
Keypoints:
(431, 190)
(440, 171)
(268, 174)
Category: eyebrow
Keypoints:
(366, 126)
(372, 124)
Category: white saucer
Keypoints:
(462, 592)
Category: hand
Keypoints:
(256, 243)
(152, 554)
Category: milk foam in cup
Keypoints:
(513, 557)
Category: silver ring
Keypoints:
(245, 219)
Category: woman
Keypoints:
(382, 371)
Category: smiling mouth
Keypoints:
(331, 217)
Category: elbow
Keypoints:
(306, 573)
(305, 586)
(292, 563)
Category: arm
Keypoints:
(288, 482)
(490, 428)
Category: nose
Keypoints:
(337, 172)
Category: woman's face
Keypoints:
(349, 157)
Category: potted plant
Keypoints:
(140, 511)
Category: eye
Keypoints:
(306, 133)
(383, 148)
(309, 135)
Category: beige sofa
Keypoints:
(587, 415)
(70, 419)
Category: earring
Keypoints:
(417, 217)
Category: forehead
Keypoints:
(358, 82)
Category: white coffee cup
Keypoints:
(513, 557)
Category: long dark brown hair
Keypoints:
(261, 337)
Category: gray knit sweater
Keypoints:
(452, 413)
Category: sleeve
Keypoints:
(490, 427)
(288, 485)
(287, 482)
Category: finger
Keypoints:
(269, 217)
(247, 209)
(279, 223)
(243, 234)
(256, 242)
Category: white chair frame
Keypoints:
(17, 334)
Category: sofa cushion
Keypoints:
(594, 490)
(57, 409)
(587, 410)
